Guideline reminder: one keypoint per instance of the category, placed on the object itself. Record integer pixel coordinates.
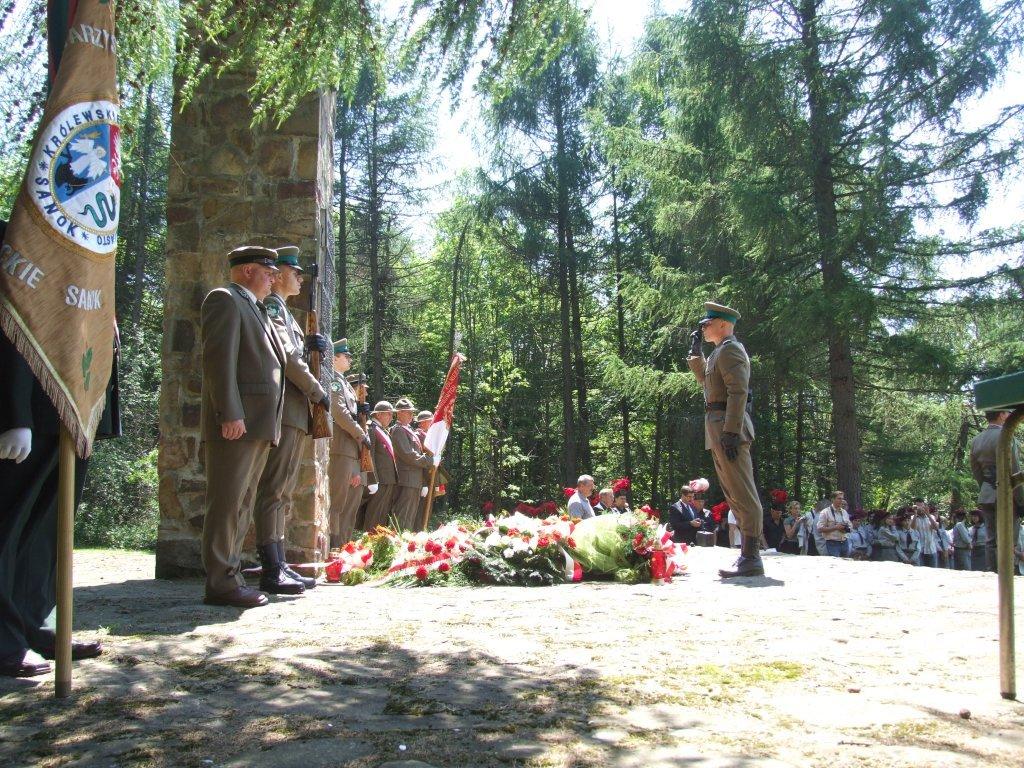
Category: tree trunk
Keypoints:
(579, 365)
(342, 266)
(620, 330)
(455, 288)
(780, 434)
(798, 479)
(845, 431)
(142, 226)
(955, 499)
(656, 458)
(376, 277)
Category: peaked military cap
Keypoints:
(405, 404)
(341, 347)
(253, 254)
(288, 256)
(383, 407)
(714, 310)
(424, 415)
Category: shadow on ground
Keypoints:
(323, 708)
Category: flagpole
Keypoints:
(65, 558)
(428, 508)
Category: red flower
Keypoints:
(367, 557)
(650, 512)
(569, 492)
(571, 542)
(450, 544)
(543, 542)
(621, 485)
(412, 546)
(556, 535)
(779, 496)
(421, 573)
(350, 547)
(549, 507)
(444, 567)
(488, 507)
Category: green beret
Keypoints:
(288, 256)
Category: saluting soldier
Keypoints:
(412, 462)
(277, 483)
(728, 429)
(242, 404)
(344, 474)
(423, 421)
(984, 449)
(382, 497)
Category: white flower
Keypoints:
(507, 554)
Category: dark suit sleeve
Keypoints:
(16, 384)
(221, 326)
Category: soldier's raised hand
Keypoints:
(731, 445)
(695, 341)
(16, 444)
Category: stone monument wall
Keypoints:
(231, 184)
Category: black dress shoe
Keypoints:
(25, 663)
(305, 581)
(79, 650)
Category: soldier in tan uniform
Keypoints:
(242, 403)
(378, 510)
(984, 448)
(423, 420)
(728, 430)
(411, 462)
(344, 474)
(277, 483)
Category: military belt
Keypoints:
(714, 407)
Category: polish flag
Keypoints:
(437, 432)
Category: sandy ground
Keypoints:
(824, 663)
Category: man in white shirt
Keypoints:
(927, 527)
(834, 524)
(579, 502)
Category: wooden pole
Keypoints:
(429, 506)
(65, 556)
(1004, 554)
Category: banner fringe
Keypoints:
(23, 343)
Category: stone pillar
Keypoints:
(230, 185)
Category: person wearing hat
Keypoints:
(910, 539)
(277, 482)
(242, 404)
(979, 559)
(382, 497)
(858, 545)
(683, 519)
(412, 463)
(345, 477)
(984, 448)
(728, 430)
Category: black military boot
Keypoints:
(274, 579)
(282, 558)
(749, 563)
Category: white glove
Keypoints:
(16, 444)
(423, 492)
(437, 460)
(372, 488)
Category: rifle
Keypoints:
(320, 417)
(365, 456)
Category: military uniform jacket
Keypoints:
(383, 454)
(243, 366)
(984, 448)
(409, 456)
(725, 376)
(301, 387)
(347, 434)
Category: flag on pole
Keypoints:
(444, 414)
(57, 261)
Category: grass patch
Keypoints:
(747, 675)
